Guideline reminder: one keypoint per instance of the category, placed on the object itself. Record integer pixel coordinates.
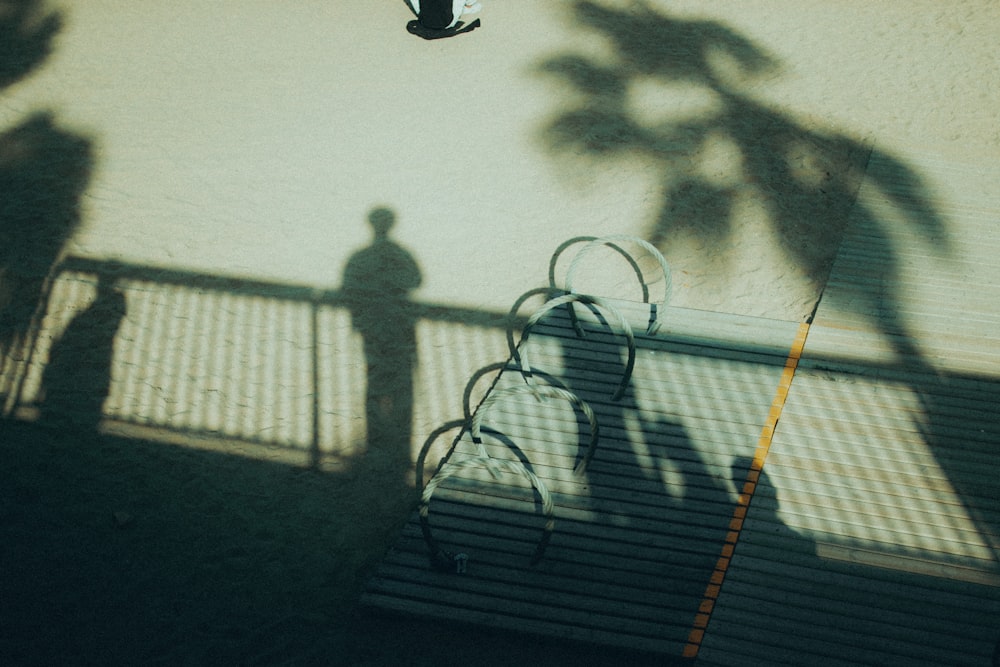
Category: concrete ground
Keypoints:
(252, 139)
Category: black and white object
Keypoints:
(439, 18)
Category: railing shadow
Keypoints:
(199, 356)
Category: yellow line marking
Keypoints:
(704, 615)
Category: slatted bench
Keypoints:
(637, 536)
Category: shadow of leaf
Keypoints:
(25, 38)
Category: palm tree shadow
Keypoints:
(44, 170)
(732, 161)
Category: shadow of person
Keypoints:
(77, 377)
(43, 173)
(377, 284)
(27, 34)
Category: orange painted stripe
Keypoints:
(704, 615)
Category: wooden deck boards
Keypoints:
(638, 535)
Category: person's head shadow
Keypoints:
(379, 276)
(377, 285)
(43, 173)
(755, 485)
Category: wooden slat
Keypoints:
(637, 536)
(586, 567)
(873, 535)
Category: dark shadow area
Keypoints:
(44, 171)
(963, 431)
(868, 614)
(121, 552)
(26, 36)
(77, 376)
(377, 284)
